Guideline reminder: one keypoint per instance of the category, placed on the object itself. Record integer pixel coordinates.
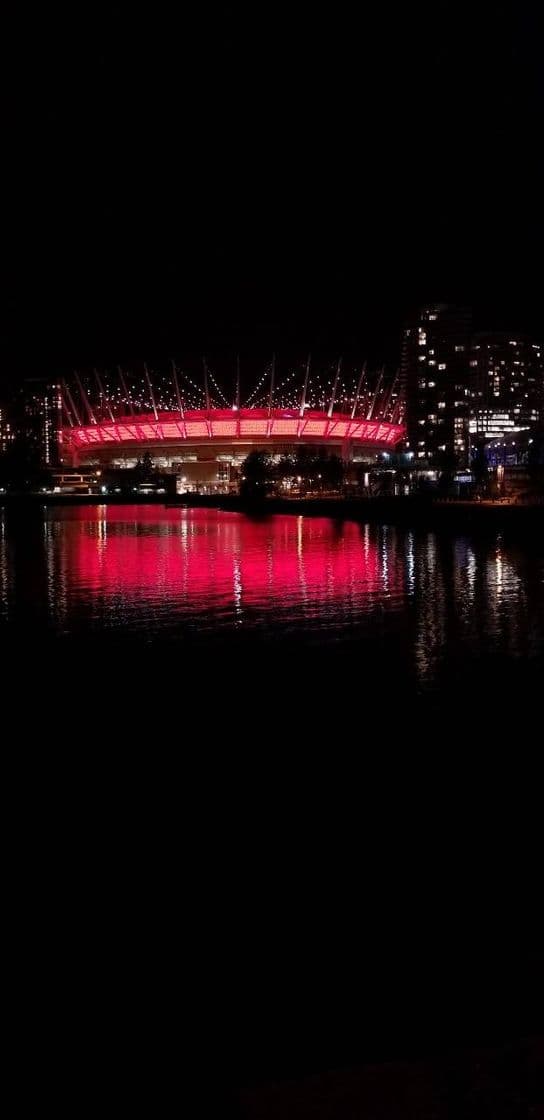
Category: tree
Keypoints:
(535, 464)
(257, 475)
(144, 468)
(446, 463)
(332, 470)
(479, 467)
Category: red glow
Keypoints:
(190, 557)
(197, 429)
(253, 427)
(224, 428)
(339, 428)
(220, 424)
(314, 428)
(285, 427)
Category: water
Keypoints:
(257, 729)
(425, 609)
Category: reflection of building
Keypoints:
(435, 374)
(507, 386)
(38, 420)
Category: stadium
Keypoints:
(197, 434)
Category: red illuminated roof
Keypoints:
(220, 425)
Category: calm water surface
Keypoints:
(429, 604)
(260, 783)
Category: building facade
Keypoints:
(435, 375)
(464, 390)
(205, 449)
(507, 388)
(38, 420)
(6, 430)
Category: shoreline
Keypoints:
(413, 510)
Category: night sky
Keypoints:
(259, 180)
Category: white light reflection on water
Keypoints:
(4, 568)
(424, 599)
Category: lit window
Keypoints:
(432, 318)
(441, 404)
(458, 349)
(431, 384)
(432, 362)
(474, 362)
(441, 365)
(422, 337)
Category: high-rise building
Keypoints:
(507, 386)
(6, 430)
(38, 420)
(436, 379)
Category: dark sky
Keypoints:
(265, 179)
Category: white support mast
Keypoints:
(71, 402)
(103, 395)
(176, 387)
(359, 383)
(152, 395)
(305, 388)
(376, 391)
(271, 396)
(387, 401)
(85, 399)
(124, 387)
(65, 407)
(334, 388)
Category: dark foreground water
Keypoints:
(276, 746)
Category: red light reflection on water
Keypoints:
(228, 560)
